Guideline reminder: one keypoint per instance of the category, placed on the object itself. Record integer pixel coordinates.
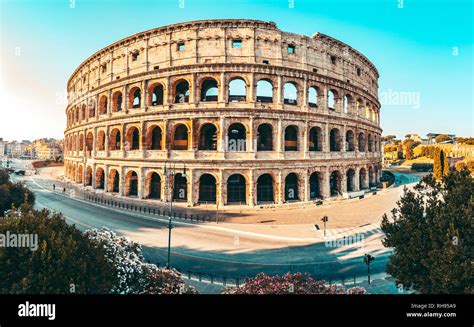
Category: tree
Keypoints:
(13, 194)
(445, 163)
(432, 236)
(134, 275)
(437, 165)
(442, 138)
(288, 284)
(64, 259)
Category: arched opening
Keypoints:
(88, 181)
(91, 108)
(290, 94)
(237, 90)
(236, 189)
(361, 142)
(81, 142)
(313, 97)
(347, 101)
(99, 179)
(157, 95)
(335, 181)
(315, 186)
(115, 139)
(136, 98)
(291, 138)
(133, 138)
(371, 143)
(264, 138)
(131, 183)
(80, 172)
(207, 188)
(350, 179)
(236, 135)
(363, 179)
(89, 142)
(180, 192)
(103, 105)
(180, 139)
(334, 140)
(291, 187)
(265, 188)
(182, 92)
(100, 141)
(331, 100)
(264, 91)
(209, 90)
(114, 181)
(154, 185)
(154, 138)
(350, 141)
(117, 101)
(83, 112)
(208, 137)
(315, 139)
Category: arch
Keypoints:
(208, 137)
(91, 108)
(334, 140)
(370, 143)
(291, 187)
(264, 91)
(99, 179)
(291, 138)
(363, 179)
(315, 139)
(133, 138)
(347, 103)
(207, 188)
(131, 183)
(237, 137)
(80, 172)
(335, 183)
(89, 141)
(209, 90)
(290, 94)
(350, 180)
(135, 97)
(180, 185)
(180, 137)
(265, 188)
(313, 97)
(315, 185)
(154, 138)
(81, 142)
(100, 146)
(117, 101)
(88, 181)
(361, 141)
(114, 181)
(182, 92)
(157, 95)
(103, 105)
(331, 99)
(153, 182)
(264, 137)
(236, 189)
(237, 90)
(350, 146)
(115, 139)
(83, 112)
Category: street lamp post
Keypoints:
(325, 220)
(367, 260)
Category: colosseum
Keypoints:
(225, 112)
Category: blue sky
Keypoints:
(424, 48)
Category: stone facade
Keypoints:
(224, 111)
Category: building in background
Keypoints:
(47, 149)
(2, 148)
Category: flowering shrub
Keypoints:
(133, 274)
(288, 284)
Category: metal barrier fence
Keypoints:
(147, 209)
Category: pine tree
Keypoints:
(431, 234)
(445, 163)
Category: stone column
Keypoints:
(326, 138)
(326, 192)
(251, 94)
(190, 186)
(251, 195)
(121, 181)
(280, 137)
(280, 188)
(356, 179)
(222, 98)
(279, 91)
(106, 178)
(250, 134)
(220, 200)
(306, 186)
(305, 140)
(305, 94)
(141, 183)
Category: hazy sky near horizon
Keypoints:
(423, 52)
